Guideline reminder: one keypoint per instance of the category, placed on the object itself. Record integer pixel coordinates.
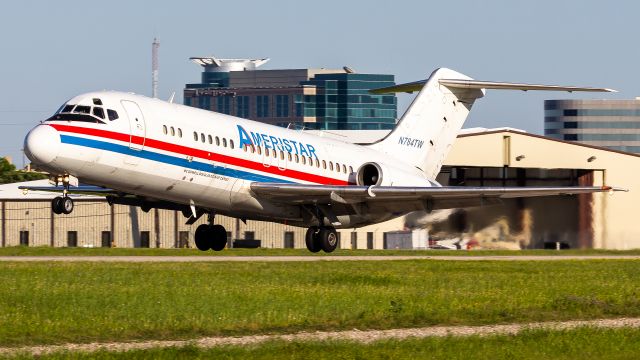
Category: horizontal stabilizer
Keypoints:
(479, 84)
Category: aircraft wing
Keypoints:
(80, 190)
(395, 198)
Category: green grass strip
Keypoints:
(45, 303)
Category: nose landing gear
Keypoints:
(62, 204)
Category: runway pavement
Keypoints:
(307, 258)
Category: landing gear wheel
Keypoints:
(202, 237)
(218, 237)
(56, 205)
(312, 239)
(328, 239)
(67, 205)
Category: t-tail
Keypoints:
(425, 134)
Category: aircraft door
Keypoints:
(137, 127)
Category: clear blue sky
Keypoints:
(53, 50)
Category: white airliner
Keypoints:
(155, 154)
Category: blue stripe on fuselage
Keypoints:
(168, 159)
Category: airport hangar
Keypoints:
(480, 157)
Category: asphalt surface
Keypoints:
(141, 259)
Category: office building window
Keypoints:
(354, 240)
(282, 105)
(223, 104)
(249, 235)
(242, 106)
(262, 106)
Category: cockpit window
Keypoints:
(82, 109)
(97, 101)
(67, 108)
(97, 111)
(113, 115)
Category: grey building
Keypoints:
(613, 124)
(323, 99)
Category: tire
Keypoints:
(56, 205)
(66, 205)
(311, 239)
(202, 237)
(218, 237)
(328, 239)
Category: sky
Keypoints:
(51, 51)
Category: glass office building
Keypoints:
(321, 99)
(613, 124)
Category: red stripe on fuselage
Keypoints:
(203, 154)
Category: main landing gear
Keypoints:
(321, 238)
(62, 204)
(209, 236)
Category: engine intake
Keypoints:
(369, 174)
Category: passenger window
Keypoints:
(331, 165)
(195, 136)
(281, 155)
(231, 144)
(224, 142)
(164, 129)
(274, 153)
(97, 111)
(202, 137)
(173, 131)
(289, 156)
(350, 170)
(259, 150)
(112, 114)
(253, 149)
(217, 141)
(317, 163)
(97, 101)
(246, 147)
(297, 158)
(344, 169)
(304, 160)
(324, 164)
(210, 139)
(310, 161)
(81, 109)
(179, 132)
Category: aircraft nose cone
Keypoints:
(42, 144)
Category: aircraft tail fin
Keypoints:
(425, 134)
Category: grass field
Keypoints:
(66, 251)
(584, 343)
(43, 303)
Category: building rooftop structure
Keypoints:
(326, 99)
